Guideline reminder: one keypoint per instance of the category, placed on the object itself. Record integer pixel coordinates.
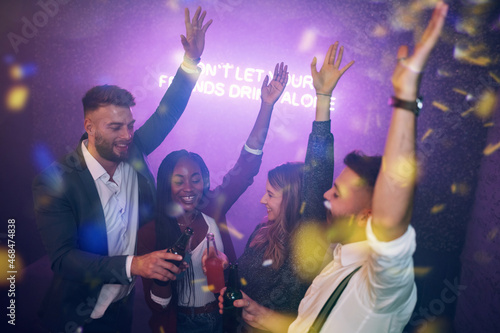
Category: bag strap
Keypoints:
(328, 307)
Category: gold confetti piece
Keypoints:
(485, 105)
(421, 271)
(490, 149)
(496, 78)
(493, 233)
(467, 112)
(490, 124)
(17, 97)
(460, 188)
(426, 135)
(482, 257)
(231, 230)
(440, 106)
(243, 282)
(460, 91)
(437, 208)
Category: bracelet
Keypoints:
(323, 95)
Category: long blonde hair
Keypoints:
(275, 235)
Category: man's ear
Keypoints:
(89, 126)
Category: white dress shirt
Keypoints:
(380, 297)
(120, 203)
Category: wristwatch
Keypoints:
(414, 106)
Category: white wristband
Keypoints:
(253, 151)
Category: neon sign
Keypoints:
(232, 81)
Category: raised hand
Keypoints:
(194, 41)
(326, 79)
(271, 92)
(405, 78)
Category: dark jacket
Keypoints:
(71, 222)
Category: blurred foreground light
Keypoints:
(17, 97)
(485, 104)
(5, 266)
(308, 40)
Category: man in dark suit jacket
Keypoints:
(91, 203)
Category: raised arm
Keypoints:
(270, 93)
(394, 189)
(175, 100)
(318, 175)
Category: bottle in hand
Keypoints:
(213, 264)
(180, 247)
(232, 314)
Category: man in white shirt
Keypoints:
(369, 219)
(90, 204)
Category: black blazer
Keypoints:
(71, 220)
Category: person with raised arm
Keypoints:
(369, 285)
(186, 200)
(91, 203)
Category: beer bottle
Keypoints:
(213, 264)
(179, 248)
(232, 314)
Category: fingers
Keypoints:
(402, 52)
(196, 16)
(265, 83)
(314, 70)
(285, 80)
(205, 27)
(346, 67)
(186, 17)
(276, 71)
(339, 57)
(436, 24)
(200, 21)
(333, 53)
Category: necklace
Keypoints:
(185, 225)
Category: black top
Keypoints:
(283, 289)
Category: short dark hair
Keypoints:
(367, 167)
(105, 95)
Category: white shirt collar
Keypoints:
(352, 253)
(96, 169)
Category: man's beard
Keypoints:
(105, 150)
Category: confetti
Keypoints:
(467, 112)
(426, 135)
(267, 263)
(437, 208)
(490, 124)
(485, 104)
(490, 149)
(440, 106)
(460, 91)
(233, 231)
(493, 233)
(496, 78)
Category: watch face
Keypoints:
(419, 104)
